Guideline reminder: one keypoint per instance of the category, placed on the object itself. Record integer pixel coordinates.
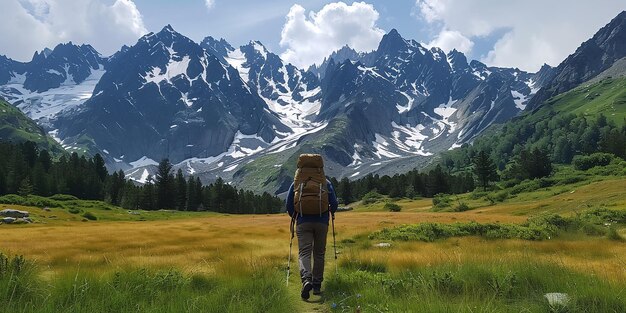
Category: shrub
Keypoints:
(531, 185)
(74, 210)
(536, 228)
(585, 162)
(475, 195)
(90, 216)
(612, 234)
(12, 199)
(41, 202)
(441, 200)
(571, 180)
(392, 207)
(462, 207)
(545, 182)
(371, 197)
(498, 197)
(62, 197)
(510, 183)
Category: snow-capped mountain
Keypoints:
(244, 114)
(339, 56)
(53, 81)
(167, 97)
(389, 110)
(291, 93)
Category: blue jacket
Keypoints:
(314, 218)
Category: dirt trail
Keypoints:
(315, 304)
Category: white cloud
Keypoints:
(35, 24)
(538, 31)
(448, 40)
(309, 39)
(209, 4)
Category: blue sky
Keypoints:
(240, 21)
(522, 34)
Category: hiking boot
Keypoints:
(306, 289)
(317, 289)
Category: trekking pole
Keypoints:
(290, 245)
(335, 245)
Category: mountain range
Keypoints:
(244, 114)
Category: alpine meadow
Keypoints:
(376, 156)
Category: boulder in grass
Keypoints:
(8, 220)
(14, 213)
(557, 299)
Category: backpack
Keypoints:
(310, 189)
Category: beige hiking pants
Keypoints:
(312, 241)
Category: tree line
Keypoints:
(411, 184)
(526, 148)
(25, 169)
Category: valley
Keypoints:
(214, 247)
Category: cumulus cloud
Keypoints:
(209, 4)
(35, 24)
(448, 40)
(310, 38)
(538, 31)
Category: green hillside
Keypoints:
(17, 127)
(607, 97)
(588, 119)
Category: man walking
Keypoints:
(311, 200)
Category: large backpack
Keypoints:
(310, 189)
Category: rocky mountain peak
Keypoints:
(392, 42)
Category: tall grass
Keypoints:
(541, 227)
(513, 286)
(140, 290)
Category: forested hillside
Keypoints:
(26, 170)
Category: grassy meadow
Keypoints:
(500, 252)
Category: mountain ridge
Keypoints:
(383, 111)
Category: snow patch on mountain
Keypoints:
(45, 106)
(445, 110)
(143, 161)
(519, 99)
(172, 69)
(381, 148)
(237, 59)
(409, 105)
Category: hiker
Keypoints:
(311, 200)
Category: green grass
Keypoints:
(64, 208)
(542, 227)
(607, 97)
(264, 173)
(17, 127)
(140, 290)
(514, 286)
(568, 190)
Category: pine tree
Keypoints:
(148, 196)
(25, 188)
(181, 191)
(437, 182)
(194, 194)
(99, 167)
(116, 187)
(345, 191)
(485, 169)
(165, 187)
